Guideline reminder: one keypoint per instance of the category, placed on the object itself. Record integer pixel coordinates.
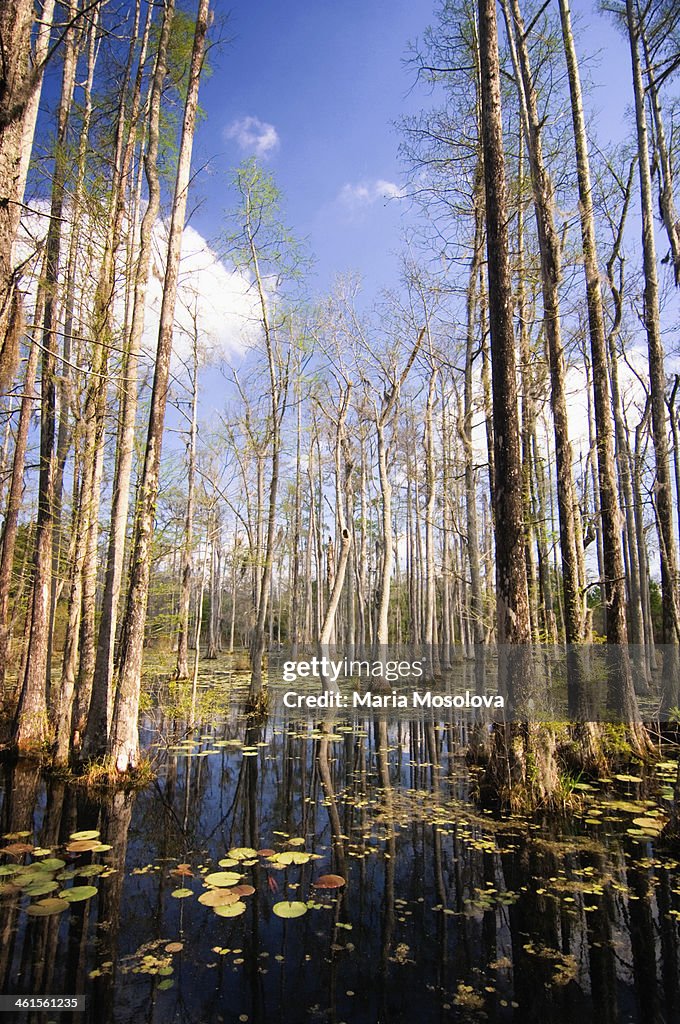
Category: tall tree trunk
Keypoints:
(657, 381)
(294, 624)
(199, 622)
(382, 418)
(64, 381)
(258, 641)
(340, 570)
(472, 540)
(30, 729)
(550, 257)
(101, 702)
(666, 196)
(21, 74)
(447, 623)
(622, 694)
(527, 397)
(430, 633)
(642, 653)
(124, 739)
(518, 747)
(361, 559)
(512, 598)
(182, 668)
(11, 523)
(62, 705)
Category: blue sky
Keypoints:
(316, 88)
(323, 83)
(329, 78)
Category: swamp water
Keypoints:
(195, 900)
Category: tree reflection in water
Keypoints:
(448, 912)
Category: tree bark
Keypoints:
(182, 668)
(550, 257)
(11, 523)
(21, 73)
(382, 418)
(657, 380)
(101, 702)
(512, 598)
(328, 626)
(124, 740)
(30, 728)
(666, 197)
(622, 694)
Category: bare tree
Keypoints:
(123, 745)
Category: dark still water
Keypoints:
(195, 900)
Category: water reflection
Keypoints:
(447, 913)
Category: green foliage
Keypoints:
(256, 232)
(615, 741)
(568, 783)
(180, 47)
(101, 773)
(531, 768)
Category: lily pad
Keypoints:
(649, 824)
(44, 908)
(243, 889)
(228, 862)
(16, 849)
(78, 893)
(218, 897)
(181, 894)
(222, 879)
(92, 833)
(289, 909)
(82, 846)
(90, 870)
(241, 853)
(230, 909)
(53, 864)
(35, 870)
(284, 860)
(38, 888)
(329, 882)
(174, 947)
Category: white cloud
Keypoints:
(226, 303)
(365, 193)
(223, 298)
(253, 136)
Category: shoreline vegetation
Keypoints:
(184, 709)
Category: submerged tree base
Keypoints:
(258, 704)
(102, 774)
(532, 766)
